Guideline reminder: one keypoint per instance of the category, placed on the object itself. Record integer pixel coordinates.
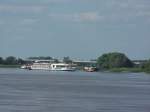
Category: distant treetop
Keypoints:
(113, 60)
(41, 58)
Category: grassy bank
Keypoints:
(126, 70)
(10, 66)
(134, 70)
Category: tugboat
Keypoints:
(27, 66)
(90, 69)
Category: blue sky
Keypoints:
(82, 29)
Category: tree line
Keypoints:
(146, 66)
(40, 58)
(106, 61)
(11, 60)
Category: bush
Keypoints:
(10, 60)
(113, 60)
(146, 66)
(1, 60)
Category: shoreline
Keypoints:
(113, 70)
(10, 66)
(130, 70)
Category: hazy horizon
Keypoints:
(81, 29)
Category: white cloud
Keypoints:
(21, 8)
(88, 16)
(77, 17)
(29, 21)
(65, 1)
(126, 11)
(58, 1)
(113, 11)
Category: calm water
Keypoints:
(44, 91)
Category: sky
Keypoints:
(81, 29)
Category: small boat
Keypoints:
(90, 69)
(23, 67)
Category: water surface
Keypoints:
(45, 91)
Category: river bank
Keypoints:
(134, 70)
(10, 66)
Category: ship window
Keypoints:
(61, 66)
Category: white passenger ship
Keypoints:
(45, 65)
(40, 66)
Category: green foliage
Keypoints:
(41, 58)
(10, 60)
(146, 66)
(1, 60)
(67, 60)
(10, 66)
(20, 61)
(113, 60)
(56, 60)
(134, 69)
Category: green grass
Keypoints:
(126, 70)
(10, 66)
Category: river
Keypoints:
(47, 91)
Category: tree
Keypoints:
(67, 60)
(41, 58)
(20, 61)
(1, 60)
(146, 66)
(10, 60)
(113, 60)
(56, 60)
